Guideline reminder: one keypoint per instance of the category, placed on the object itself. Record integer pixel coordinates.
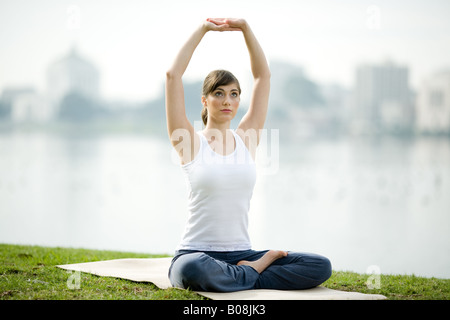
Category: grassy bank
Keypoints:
(29, 272)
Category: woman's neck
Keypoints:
(220, 138)
(222, 127)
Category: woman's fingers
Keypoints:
(225, 24)
(233, 23)
(217, 21)
(215, 25)
(222, 27)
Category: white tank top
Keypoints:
(220, 188)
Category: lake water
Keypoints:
(363, 203)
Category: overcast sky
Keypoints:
(134, 42)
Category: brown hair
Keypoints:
(214, 80)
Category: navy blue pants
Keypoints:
(217, 271)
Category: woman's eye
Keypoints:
(234, 94)
(218, 93)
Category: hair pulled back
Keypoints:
(214, 80)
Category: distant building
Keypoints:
(300, 106)
(433, 104)
(69, 75)
(25, 105)
(383, 98)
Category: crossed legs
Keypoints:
(244, 270)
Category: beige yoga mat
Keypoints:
(155, 271)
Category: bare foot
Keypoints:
(266, 260)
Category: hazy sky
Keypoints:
(134, 42)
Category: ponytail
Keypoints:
(204, 115)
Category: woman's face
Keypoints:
(222, 103)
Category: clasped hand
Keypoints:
(224, 24)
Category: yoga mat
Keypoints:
(155, 270)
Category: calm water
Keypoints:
(361, 203)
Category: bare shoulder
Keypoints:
(186, 143)
(250, 137)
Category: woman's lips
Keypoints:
(226, 110)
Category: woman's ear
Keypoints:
(204, 101)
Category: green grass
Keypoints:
(30, 272)
(394, 287)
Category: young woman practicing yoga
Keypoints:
(215, 253)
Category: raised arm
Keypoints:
(256, 114)
(178, 125)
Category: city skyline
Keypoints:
(133, 44)
(382, 100)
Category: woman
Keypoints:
(215, 253)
